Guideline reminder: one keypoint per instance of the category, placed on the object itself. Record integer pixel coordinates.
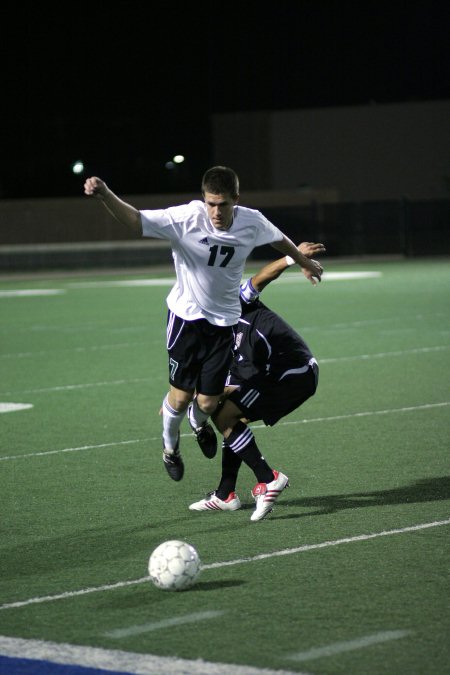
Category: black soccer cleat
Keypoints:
(173, 461)
(206, 437)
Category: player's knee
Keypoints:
(224, 419)
(207, 404)
(179, 400)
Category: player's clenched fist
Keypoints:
(95, 187)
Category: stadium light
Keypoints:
(78, 167)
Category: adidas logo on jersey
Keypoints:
(204, 241)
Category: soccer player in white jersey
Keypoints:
(211, 240)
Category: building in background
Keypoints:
(366, 180)
(370, 152)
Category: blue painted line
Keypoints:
(14, 666)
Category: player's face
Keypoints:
(220, 209)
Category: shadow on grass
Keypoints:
(92, 546)
(74, 550)
(140, 598)
(215, 585)
(425, 490)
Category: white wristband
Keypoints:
(289, 260)
(248, 293)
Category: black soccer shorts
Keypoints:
(200, 354)
(269, 401)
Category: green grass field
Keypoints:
(350, 573)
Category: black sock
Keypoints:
(230, 468)
(242, 442)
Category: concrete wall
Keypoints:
(55, 221)
(372, 152)
(79, 233)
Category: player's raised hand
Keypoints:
(95, 187)
(314, 273)
(310, 248)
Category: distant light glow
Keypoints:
(178, 159)
(78, 167)
(169, 165)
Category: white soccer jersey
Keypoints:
(209, 263)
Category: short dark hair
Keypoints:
(221, 180)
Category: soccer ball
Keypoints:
(174, 565)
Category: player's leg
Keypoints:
(230, 419)
(215, 354)
(270, 482)
(231, 463)
(239, 446)
(183, 371)
(224, 498)
(245, 404)
(242, 442)
(271, 405)
(173, 411)
(199, 412)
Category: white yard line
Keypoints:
(368, 413)
(71, 387)
(8, 407)
(91, 326)
(383, 355)
(349, 645)
(228, 563)
(332, 418)
(83, 447)
(30, 292)
(126, 662)
(162, 625)
(70, 350)
(169, 281)
(322, 361)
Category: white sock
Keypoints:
(171, 424)
(196, 416)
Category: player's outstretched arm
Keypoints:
(312, 269)
(125, 213)
(273, 269)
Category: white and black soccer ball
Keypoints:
(174, 565)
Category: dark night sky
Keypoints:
(125, 86)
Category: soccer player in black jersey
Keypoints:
(273, 372)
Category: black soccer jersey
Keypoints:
(266, 347)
